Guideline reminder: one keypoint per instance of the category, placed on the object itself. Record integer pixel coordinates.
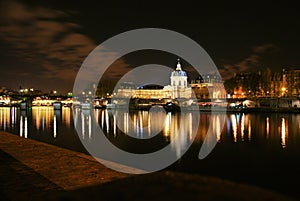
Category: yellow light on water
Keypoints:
(283, 133)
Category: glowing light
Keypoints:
(234, 127)
(141, 123)
(149, 125)
(106, 120)
(67, 117)
(283, 133)
(268, 126)
(115, 125)
(37, 119)
(54, 127)
(90, 126)
(243, 126)
(13, 115)
(167, 124)
(125, 123)
(191, 126)
(21, 126)
(249, 131)
(82, 125)
(102, 119)
(26, 128)
(218, 128)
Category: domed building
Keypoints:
(179, 77)
(178, 88)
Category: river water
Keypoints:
(255, 148)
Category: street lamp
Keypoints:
(283, 91)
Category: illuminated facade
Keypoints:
(179, 88)
(290, 83)
(209, 87)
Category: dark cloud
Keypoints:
(47, 38)
(249, 63)
(261, 49)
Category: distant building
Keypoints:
(276, 85)
(291, 82)
(265, 84)
(178, 88)
(209, 86)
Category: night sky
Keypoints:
(43, 44)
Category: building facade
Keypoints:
(265, 83)
(208, 86)
(178, 88)
(291, 82)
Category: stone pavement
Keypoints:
(32, 170)
(35, 169)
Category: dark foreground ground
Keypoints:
(31, 170)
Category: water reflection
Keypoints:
(267, 126)
(249, 130)
(141, 124)
(283, 133)
(23, 124)
(234, 126)
(144, 124)
(5, 114)
(85, 119)
(43, 117)
(282, 130)
(243, 127)
(239, 125)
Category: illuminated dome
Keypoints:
(179, 71)
(179, 77)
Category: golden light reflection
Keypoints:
(102, 119)
(168, 119)
(135, 126)
(5, 117)
(218, 128)
(284, 133)
(234, 127)
(42, 116)
(140, 128)
(37, 119)
(249, 130)
(67, 116)
(243, 127)
(125, 122)
(267, 126)
(149, 125)
(191, 126)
